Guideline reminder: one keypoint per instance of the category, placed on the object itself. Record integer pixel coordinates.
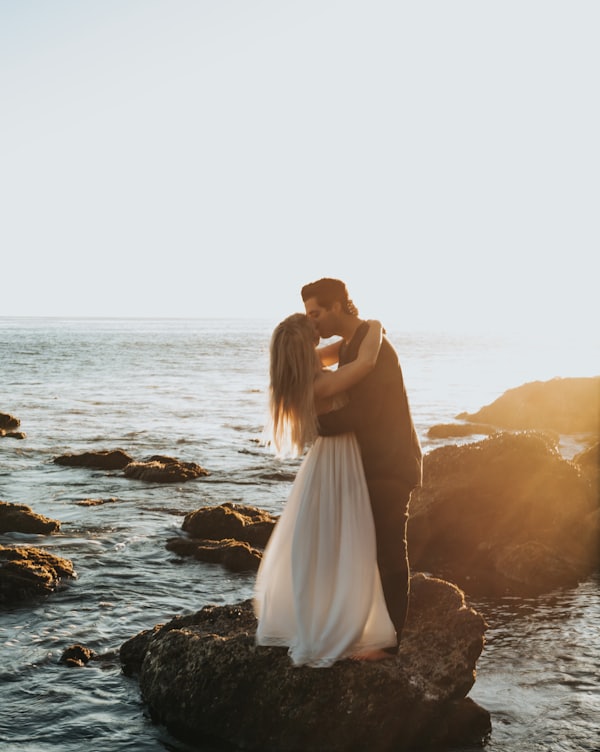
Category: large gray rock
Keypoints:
(504, 515)
(204, 678)
(569, 406)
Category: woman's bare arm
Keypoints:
(328, 383)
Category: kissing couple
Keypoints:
(333, 582)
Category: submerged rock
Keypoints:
(12, 434)
(96, 502)
(503, 515)
(26, 572)
(19, 518)
(235, 555)
(204, 677)
(569, 406)
(115, 459)
(8, 424)
(77, 655)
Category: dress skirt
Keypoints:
(318, 590)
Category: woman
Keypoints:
(318, 589)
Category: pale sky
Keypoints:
(206, 158)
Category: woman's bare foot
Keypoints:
(371, 655)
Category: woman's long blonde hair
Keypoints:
(292, 373)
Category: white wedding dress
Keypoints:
(318, 589)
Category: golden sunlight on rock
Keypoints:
(506, 515)
(569, 405)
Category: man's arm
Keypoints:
(366, 401)
(329, 383)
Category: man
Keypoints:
(379, 415)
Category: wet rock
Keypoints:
(465, 723)
(27, 572)
(278, 475)
(115, 459)
(205, 679)
(589, 459)
(450, 430)
(235, 555)
(588, 462)
(568, 406)
(8, 422)
(12, 434)
(77, 655)
(162, 469)
(96, 502)
(244, 523)
(226, 534)
(503, 515)
(19, 518)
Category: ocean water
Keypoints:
(197, 389)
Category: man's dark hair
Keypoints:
(327, 291)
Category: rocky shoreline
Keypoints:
(502, 515)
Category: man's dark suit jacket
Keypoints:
(379, 414)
